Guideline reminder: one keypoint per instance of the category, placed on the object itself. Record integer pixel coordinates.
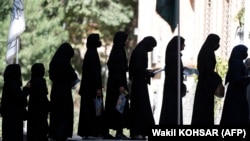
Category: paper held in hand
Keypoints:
(158, 71)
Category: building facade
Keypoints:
(198, 18)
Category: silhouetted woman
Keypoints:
(116, 85)
(13, 104)
(169, 112)
(38, 105)
(62, 75)
(90, 121)
(235, 109)
(141, 113)
(208, 80)
(247, 64)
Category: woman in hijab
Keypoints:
(91, 122)
(235, 110)
(117, 85)
(13, 104)
(62, 75)
(38, 106)
(247, 64)
(141, 113)
(208, 80)
(169, 112)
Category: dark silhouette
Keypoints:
(62, 75)
(247, 64)
(13, 104)
(169, 112)
(235, 110)
(90, 122)
(38, 105)
(116, 85)
(208, 80)
(141, 113)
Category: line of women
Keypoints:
(133, 111)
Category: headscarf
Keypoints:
(119, 39)
(93, 41)
(60, 60)
(64, 52)
(13, 73)
(173, 44)
(143, 47)
(37, 70)
(238, 54)
(148, 43)
(211, 42)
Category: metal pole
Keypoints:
(247, 23)
(178, 67)
(17, 48)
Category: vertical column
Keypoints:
(247, 24)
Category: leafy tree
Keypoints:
(103, 16)
(44, 33)
(51, 22)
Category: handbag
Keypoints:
(220, 91)
(98, 105)
(121, 101)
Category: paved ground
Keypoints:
(77, 138)
(72, 139)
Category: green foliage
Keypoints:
(96, 16)
(44, 33)
(240, 17)
(5, 8)
(103, 16)
(51, 22)
(221, 67)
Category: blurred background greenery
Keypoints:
(52, 22)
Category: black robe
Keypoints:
(169, 111)
(89, 123)
(62, 75)
(38, 106)
(13, 103)
(141, 113)
(208, 80)
(235, 109)
(117, 67)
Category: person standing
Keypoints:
(169, 112)
(13, 104)
(141, 113)
(247, 64)
(208, 80)
(91, 119)
(235, 110)
(117, 86)
(63, 76)
(38, 105)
